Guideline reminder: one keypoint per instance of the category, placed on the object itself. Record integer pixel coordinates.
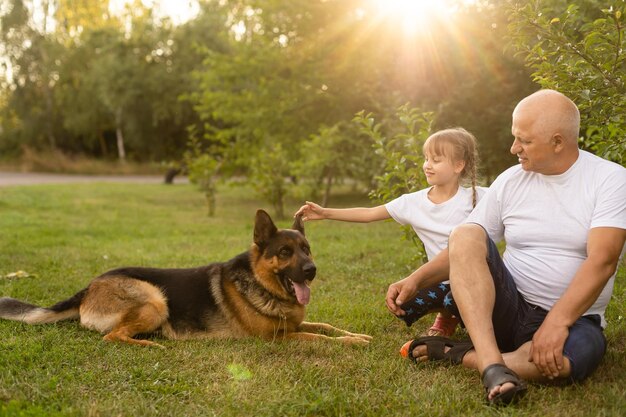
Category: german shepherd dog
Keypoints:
(261, 292)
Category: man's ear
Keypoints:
(264, 228)
(298, 224)
(558, 142)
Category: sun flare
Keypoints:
(412, 16)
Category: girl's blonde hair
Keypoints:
(457, 144)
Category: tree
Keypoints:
(579, 49)
(204, 171)
(250, 77)
(33, 57)
(99, 84)
(331, 156)
(86, 117)
(295, 74)
(73, 17)
(399, 141)
(287, 71)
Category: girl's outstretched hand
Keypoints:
(311, 211)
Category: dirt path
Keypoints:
(18, 178)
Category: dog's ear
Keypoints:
(298, 224)
(264, 228)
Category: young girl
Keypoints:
(450, 157)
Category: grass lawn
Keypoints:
(65, 235)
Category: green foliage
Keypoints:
(276, 85)
(34, 56)
(295, 73)
(268, 176)
(98, 84)
(203, 170)
(399, 143)
(249, 75)
(276, 89)
(580, 50)
(319, 164)
(331, 156)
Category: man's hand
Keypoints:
(546, 350)
(398, 293)
(311, 211)
(604, 245)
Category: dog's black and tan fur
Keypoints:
(253, 294)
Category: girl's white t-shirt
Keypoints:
(433, 222)
(545, 221)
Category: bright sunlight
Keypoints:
(413, 16)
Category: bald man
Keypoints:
(562, 214)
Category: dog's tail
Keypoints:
(12, 309)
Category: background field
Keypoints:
(64, 235)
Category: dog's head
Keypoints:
(286, 254)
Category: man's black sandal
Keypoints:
(436, 349)
(498, 374)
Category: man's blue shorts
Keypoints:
(515, 321)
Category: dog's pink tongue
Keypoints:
(303, 292)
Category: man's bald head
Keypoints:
(551, 113)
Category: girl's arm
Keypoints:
(312, 211)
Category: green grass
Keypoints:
(65, 235)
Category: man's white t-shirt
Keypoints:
(433, 222)
(545, 221)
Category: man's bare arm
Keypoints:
(604, 246)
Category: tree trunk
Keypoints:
(279, 205)
(329, 183)
(121, 151)
(103, 144)
(210, 202)
(52, 141)
(46, 88)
